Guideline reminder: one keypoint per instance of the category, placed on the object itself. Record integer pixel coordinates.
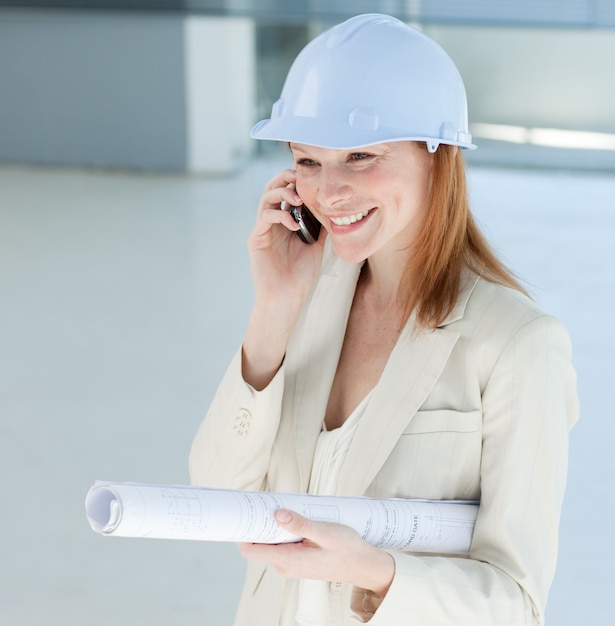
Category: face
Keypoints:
(371, 200)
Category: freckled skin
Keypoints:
(390, 180)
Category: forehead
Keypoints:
(302, 147)
(394, 149)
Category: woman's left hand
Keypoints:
(330, 552)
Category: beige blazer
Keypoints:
(477, 409)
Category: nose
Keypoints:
(333, 188)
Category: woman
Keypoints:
(393, 357)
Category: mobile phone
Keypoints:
(309, 226)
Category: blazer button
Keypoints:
(242, 423)
(244, 414)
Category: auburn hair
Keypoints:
(449, 241)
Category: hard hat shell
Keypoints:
(371, 79)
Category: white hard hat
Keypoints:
(371, 79)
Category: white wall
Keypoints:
(557, 78)
(148, 91)
(523, 80)
(99, 89)
(166, 92)
(220, 91)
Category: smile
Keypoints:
(347, 220)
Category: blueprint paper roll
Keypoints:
(198, 513)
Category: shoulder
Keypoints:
(493, 317)
(502, 331)
(493, 306)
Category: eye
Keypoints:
(305, 162)
(360, 156)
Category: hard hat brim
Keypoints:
(336, 136)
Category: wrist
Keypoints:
(265, 342)
(383, 576)
(367, 597)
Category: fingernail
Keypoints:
(283, 516)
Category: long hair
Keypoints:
(448, 242)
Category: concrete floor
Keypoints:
(123, 298)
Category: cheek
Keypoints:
(305, 192)
(411, 209)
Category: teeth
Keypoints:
(349, 219)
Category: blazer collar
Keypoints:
(468, 282)
(318, 346)
(415, 365)
(421, 356)
(348, 273)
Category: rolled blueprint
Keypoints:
(199, 513)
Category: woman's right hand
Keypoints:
(283, 267)
(284, 270)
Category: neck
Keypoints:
(380, 280)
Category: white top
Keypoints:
(331, 449)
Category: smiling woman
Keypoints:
(393, 357)
(370, 201)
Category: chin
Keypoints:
(350, 254)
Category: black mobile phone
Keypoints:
(309, 226)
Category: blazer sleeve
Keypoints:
(232, 447)
(529, 405)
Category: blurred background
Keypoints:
(128, 184)
(175, 85)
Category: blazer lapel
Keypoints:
(413, 368)
(320, 345)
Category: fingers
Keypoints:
(284, 268)
(280, 190)
(295, 524)
(282, 179)
(327, 552)
(263, 225)
(326, 535)
(334, 552)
